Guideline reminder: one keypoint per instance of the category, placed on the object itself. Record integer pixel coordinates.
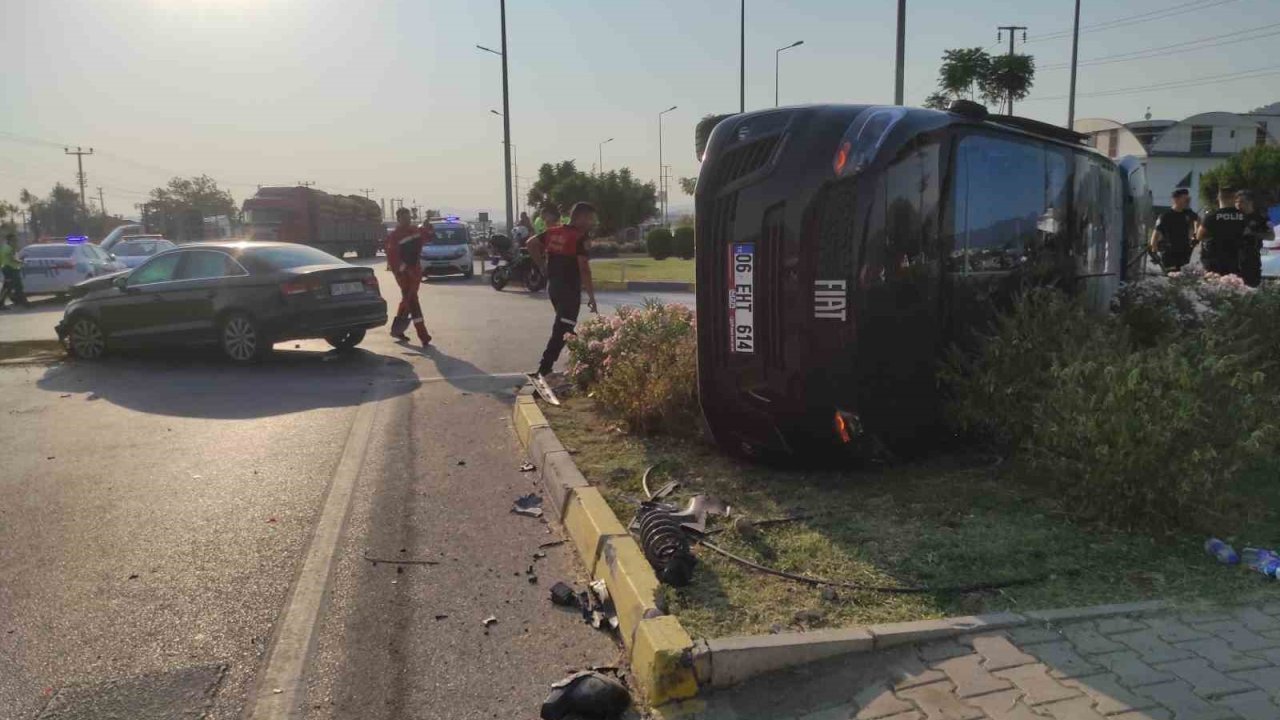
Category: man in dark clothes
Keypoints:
(1256, 230)
(561, 253)
(1175, 232)
(1222, 235)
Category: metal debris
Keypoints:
(490, 621)
(529, 505)
(528, 467)
(588, 695)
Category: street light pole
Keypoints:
(600, 150)
(899, 91)
(662, 189)
(776, 54)
(742, 60)
(506, 111)
(1075, 48)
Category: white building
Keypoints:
(1177, 153)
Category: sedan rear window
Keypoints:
(282, 258)
(48, 251)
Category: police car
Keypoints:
(52, 268)
(449, 253)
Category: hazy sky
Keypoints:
(394, 96)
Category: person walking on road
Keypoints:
(523, 231)
(404, 259)
(11, 267)
(1256, 230)
(1175, 232)
(548, 217)
(562, 254)
(1221, 235)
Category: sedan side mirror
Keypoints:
(121, 282)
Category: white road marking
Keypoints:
(281, 683)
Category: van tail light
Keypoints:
(299, 287)
(371, 284)
(64, 265)
(847, 426)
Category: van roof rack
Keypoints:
(1040, 128)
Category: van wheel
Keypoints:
(242, 340)
(87, 340)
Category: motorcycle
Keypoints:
(513, 266)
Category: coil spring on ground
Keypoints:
(664, 543)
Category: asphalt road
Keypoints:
(163, 517)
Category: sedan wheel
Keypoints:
(86, 339)
(346, 340)
(242, 341)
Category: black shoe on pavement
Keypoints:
(400, 337)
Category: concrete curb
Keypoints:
(659, 649)
(641, 286)
(666, 663)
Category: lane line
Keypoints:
(280, 688)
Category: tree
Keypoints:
(689, 185)
(1256, 168)
(961, 72)
(178, 209)
(57, 214)
(620, 200)
(1007, 77)
(8, 211)
(938, 101)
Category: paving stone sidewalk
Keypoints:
(1208, 665)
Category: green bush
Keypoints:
(659, 243)
(604, 249)
(1141, 420)
(682, 243)
(641, 364)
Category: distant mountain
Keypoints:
(1272, 109)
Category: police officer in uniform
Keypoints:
(1256, 230)
(561, 254)
(1175, 232)
(1221, 236)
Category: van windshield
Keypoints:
(450, 235)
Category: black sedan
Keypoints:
(240, 296)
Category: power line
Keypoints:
(1165, 50)
(1184, 8)
(1226, 77)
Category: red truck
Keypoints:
(337, 224)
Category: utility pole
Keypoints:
(1075, 49)
(600, 150)
(383, 203)
(742, 60)
(366, 192)
(305, 183)
(899, 90)
(80, 175)
(776, 55)
(102, 203)
(1012, 29)
(661, 167)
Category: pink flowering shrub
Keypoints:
(641, 364)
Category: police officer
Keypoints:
(1175, 232)
(404, 259)
(1221, 236)
(1256, 230)
(11, 266)
(561, 254)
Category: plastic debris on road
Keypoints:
(529, 505)
(587, 695)
(528, 467)
(1221, 551)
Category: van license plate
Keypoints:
(346, 288)
(742, 298)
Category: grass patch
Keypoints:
(642, 269)
(949, 521)
(19, 352)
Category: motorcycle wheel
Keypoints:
(534, 280)
(499, 277)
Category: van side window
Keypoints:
(1000, 201)
(911, 194)
(1099, 197)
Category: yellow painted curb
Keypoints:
(662, 660)
(588, 519)
(660, 651)
(527, 416)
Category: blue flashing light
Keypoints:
(77, 239)
(452, 218)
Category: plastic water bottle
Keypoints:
(1221, 551)
(1262, 560)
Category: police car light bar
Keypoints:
(77, 239)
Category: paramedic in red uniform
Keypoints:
(404, 259)
(561, 253)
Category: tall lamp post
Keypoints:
(662, 185)
(742, 59)
(1075, 48)
(600, 150)
(514, 175)
(777, 54)
(506, 109)
(899, 92)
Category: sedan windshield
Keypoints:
(450, 235)
(282, 258)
